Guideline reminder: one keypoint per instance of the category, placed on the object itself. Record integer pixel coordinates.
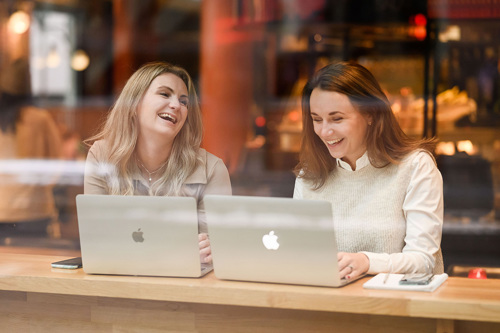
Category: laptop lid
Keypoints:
(139, 235)
(279, 240)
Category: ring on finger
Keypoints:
(352, 268)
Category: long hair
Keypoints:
(15, 93)
(10, 110)
(386, 142)
(120, 133)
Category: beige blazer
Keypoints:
(210, 177)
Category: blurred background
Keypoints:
(437, 60)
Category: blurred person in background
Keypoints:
(29, 138)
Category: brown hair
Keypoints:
(385, 140)
(15, 93)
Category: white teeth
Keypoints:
(168, 117)
(332, 142)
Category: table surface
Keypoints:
(457, 298)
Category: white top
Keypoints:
(362, 199)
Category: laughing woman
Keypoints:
(385, 189)
(150, 144)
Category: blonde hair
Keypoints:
(385, 140)
(120, 133)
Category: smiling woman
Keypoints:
(339, 125)
(385, 189)
(150, 144)
(162, 112)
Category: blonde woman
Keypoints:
(150, 144)
(385, 189)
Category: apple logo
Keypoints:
(270, 241)
(137, 236)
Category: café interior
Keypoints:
(439, 66)
(437, 61)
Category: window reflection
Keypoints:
(250, 60)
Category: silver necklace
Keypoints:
(150, 173)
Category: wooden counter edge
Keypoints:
(209, 290)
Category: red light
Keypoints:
(420, 33)
(420, 19)
(477, 273)
(260, 121)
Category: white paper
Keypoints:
(379, 281)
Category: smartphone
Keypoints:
(72, 263)
(416, 279)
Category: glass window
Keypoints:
(439, 66)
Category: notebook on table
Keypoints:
(392, 282)
(139, 235)
(277, 240)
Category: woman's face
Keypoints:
(339, 125)
(164, 107)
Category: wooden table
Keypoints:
(36, 298)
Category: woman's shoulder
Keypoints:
(209, 160)
(98, 145)
(205, 157)
(208, 166)
(35, 111)
(35, 115)
(98, 149)
(419, 157)
(420, 162)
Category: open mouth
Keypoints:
(333, 142)
(167, 117)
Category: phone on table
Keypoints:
(416, 279)
(72, 263)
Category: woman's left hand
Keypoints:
(205, 250)
(352, 265)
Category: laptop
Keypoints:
(279, 240)
(139, 235)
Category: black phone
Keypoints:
(72, 263)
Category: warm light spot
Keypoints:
(405, 91)
(396, 107)
(420, 32)
(80, 60)
(452, 32)
(260, 121)
(466, 146)
(445, 148)
(53, 59)
(294, 116)
(318, 38)
(19, 22)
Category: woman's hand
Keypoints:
(352, 265)
(205, 250)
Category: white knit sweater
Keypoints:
(393, 214)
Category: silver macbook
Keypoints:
(139, 235)
(277, 240)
